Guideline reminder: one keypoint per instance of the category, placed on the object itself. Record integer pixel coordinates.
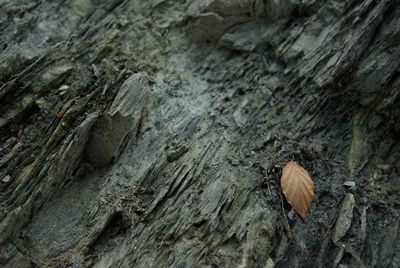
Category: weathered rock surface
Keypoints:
(138, 133)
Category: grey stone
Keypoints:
(248, 36)
(344, 219)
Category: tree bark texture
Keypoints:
(140, 133)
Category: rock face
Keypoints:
(139, 133)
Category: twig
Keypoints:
(266, 180)
(286, 222)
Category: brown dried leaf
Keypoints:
(298, 187)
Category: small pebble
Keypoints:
(6, 178)
(291, 214)
(234, 162)
(351, 184)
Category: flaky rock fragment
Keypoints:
(344, 219)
